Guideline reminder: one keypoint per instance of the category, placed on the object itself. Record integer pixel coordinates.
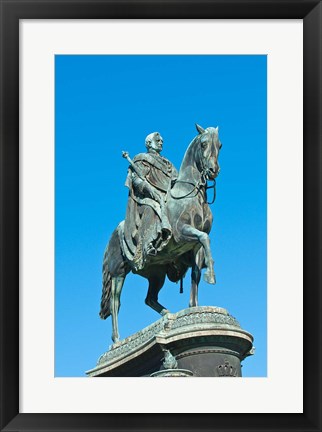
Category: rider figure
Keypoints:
(146, 227)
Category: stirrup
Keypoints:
(152, 251)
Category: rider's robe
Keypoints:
(146, 229)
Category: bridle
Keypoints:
(201, 183)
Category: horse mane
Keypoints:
(188, 158)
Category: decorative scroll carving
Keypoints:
(169, 323)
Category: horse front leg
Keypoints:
(195, 276)
(193, 234)
(117, 285)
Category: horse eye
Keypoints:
(204, 144)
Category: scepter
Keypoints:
(126, 156)
(161, 200)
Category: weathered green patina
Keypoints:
(167, 224)
(197, 341)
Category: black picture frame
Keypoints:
(11, 12)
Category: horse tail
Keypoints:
(105, 311)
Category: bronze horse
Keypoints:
(190, 219)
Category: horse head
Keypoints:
(206, 147)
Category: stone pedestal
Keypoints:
(202, 341)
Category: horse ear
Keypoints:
(217, 129)
(200, 129)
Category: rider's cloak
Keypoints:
(146, 224)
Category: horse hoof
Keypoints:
(210, 278)
(164, 312)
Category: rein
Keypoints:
(202, 182)
(214, 188)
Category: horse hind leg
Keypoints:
(117, 285)
(155, 285)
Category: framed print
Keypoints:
(58, 129)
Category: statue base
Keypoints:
(202, 341)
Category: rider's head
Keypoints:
(154, 142)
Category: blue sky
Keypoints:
(106, 104)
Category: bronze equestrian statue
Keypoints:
(167, 224)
